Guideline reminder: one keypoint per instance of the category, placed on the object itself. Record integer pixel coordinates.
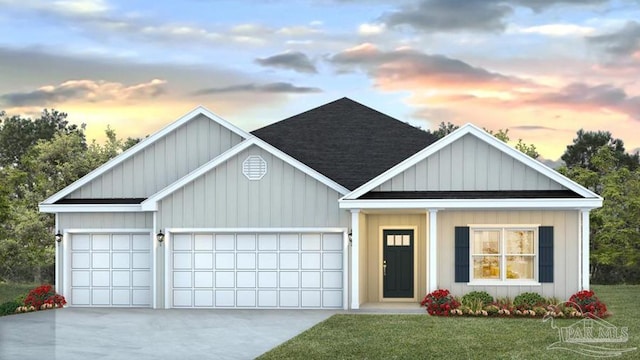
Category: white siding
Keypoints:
(127, 220)
(566, 243)
(224, 197)
(469, 164)
(163, 162)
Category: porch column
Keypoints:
(585, 249)
(433, 250)
(57, 267)
(355, 253)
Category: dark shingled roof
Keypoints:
(506, 194)
(346, 141)
(111, 201)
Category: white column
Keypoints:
(345, 270)
(433, 250)
(154, 263)
(355, 264)
(56, 267)
(585, 249)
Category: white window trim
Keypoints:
(503, 281)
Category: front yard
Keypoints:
(354, 336)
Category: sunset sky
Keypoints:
(542, 68)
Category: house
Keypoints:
(332, 208)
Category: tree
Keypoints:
(445, 129)
(528, 149)
(587, 143)
(50, 164)
(615, 227)
(18, 134)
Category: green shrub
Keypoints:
(477, 296)
(9, 307)
(527, 300)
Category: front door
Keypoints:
(397, 263)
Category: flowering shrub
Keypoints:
(587, 303)
(440, 302)
(43, 297)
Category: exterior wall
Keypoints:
(105, 220)
(566, 244)
(224, 197)
(163, 162)
(372, 241)
(469, 164)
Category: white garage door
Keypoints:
(286, 270)
(110, 270)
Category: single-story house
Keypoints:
(333, 208)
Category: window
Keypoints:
(503, 253)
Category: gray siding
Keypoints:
(566, 244)
(163, 162)
(469, 164)
(127, 220)
(224, 197)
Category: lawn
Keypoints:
(9, 291)
(356, 336)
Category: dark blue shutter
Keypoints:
(462, 254)
(545, 254)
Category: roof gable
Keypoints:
(346, 141)
(469, 164)
(152, 202)
(483, 136)
(141, 146)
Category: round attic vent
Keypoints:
(254, 167)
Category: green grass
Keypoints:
(355, 336)
(9, 291)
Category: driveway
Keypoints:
(83, 333)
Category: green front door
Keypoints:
(397, 263)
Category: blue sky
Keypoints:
(542, 70)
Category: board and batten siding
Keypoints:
(566, 244)
(128, 220)
(224, 197)
(163, 162)
(469, 164)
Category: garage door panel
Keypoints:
(203, 242)
(121, 278)
(267, 242)
(121, 297)
(246, 279)
(311, 298)
(100, 278)
(225, 298)
(246, 261)
(203, 279)
(225, 279)
(311, 279)
(289, 298)
(246, 242)
(110, 269)
(121, 242)
(285, 270)
(203, 298)
(100, 260)
(80, 261)
(120, 260)
(80, 278)
(246, 298)
(225, 261)
(141, 278)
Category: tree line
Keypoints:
(40, 156)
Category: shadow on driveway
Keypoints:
(113, 333)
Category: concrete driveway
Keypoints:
(82, 333)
